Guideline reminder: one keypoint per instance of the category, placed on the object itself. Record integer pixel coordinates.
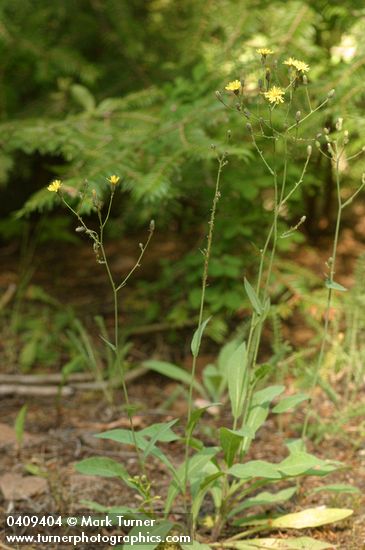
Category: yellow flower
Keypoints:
(114, 180)
(300, 66)
(55, 186)
(290, 61)
(233, 86)
(275, 95)
(264, 51)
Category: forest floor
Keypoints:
(58, 433)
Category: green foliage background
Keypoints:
(91, 88)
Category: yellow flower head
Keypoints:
(55, 186)
(275, 95)
(233, 86)
(300, 66)
(264, 51)
(114, 180)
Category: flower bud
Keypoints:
(298, 116)
(326, 131)
(249, 127)
(339, 124)
(80, 229)
(305, 80)
(318, 145)
(309, 150)
(331, 93)
(247, 113)
(152, 225)
(218, 95)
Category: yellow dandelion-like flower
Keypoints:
(300, 66)
(233, 86)
(264, 51)
(114, 180)
(290, 61)
(275, 95)
(55, 186)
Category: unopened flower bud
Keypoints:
(261, 83)
(318, 145)
(249, 127)
(331, 93)
(229, 134)
(305, 80)
(247, 113)
(152, 225)
(326, 131)
(218, 95)
(318, 135)
(80, 229)
(213, 146)
(339, 124)
(309, 150)
(298, 116)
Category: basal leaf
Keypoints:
(312, 517)
(255, 468)
(236, 370)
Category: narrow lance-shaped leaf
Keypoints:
(252, 296)
(196, 341)
(236, 371)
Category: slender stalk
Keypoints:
(332, 266)
(207, 253)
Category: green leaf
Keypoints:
(337, 488)
(264, 499)
(312, 517)
(252, 296)
(196, 341)
(101, 466)
(195, 465)
(124, 436)
(300, 463)
(266, 395)
(335, 286)
(290, 402)
(236, 370)
(166, 435)
(256, 418)
(165, 429)
(196, 415)
(291, 543)
(174, 372)
(230, 443)
(156, 532)
(19, 424)
(255, 468)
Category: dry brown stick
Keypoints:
(69, 389)
(35, 391)
(39, 379)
